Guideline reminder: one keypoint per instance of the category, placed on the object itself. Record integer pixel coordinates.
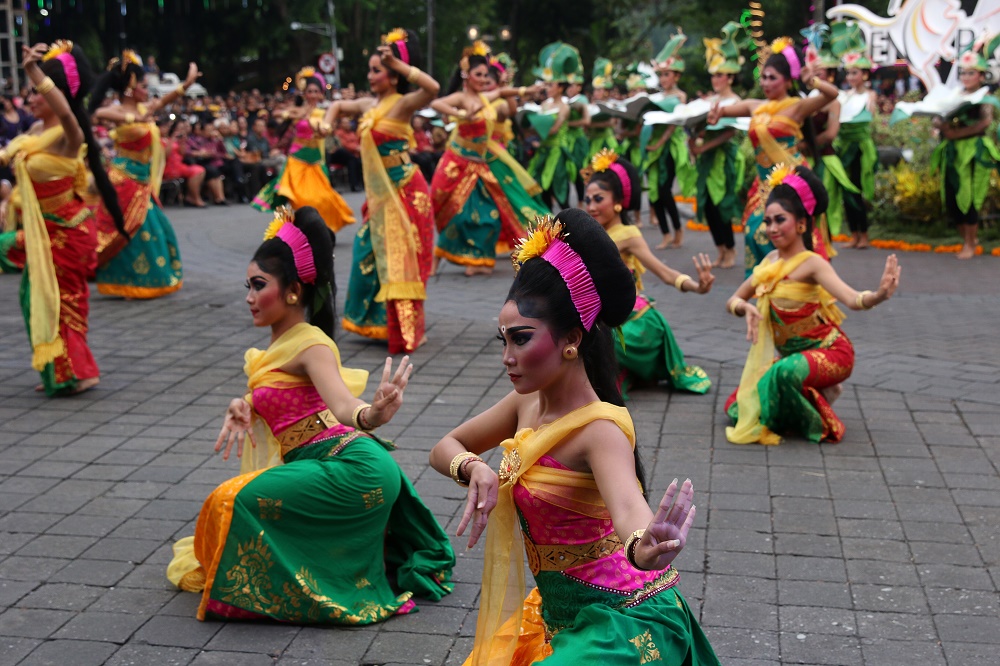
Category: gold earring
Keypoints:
(569, 353)
(618, 208)
(801, 228)
(291, 299)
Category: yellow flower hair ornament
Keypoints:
(57, 48)
(786, 47)
(784, 174)
(282, 216)
(540, 235)
(607, 160)
(603, 160)
(394, 35)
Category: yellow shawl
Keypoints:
(46, 342)
(765, 116)
(622, 232)
(262, 370)
(392, 236)
(503, 571)
(769, 280)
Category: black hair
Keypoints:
(788, 198)
(455, 83)
(611, 181)
(540, 292)
(275, 258)
(53, 68)
(495, 73)
(414, 59)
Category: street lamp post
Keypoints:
(328, 30)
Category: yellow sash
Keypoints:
(503, 570)
(157, 158)
(622, 232)
(46, 343)
(393, 238)
(766, 115)
(262, 370)
(770, 283)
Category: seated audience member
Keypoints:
(348, 152)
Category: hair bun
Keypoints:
(817, 187)
(611, 277)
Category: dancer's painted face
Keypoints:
(781, 225)
(265, 296)
(600, 204)
(774, 85)
(378, 75)
(532, 357)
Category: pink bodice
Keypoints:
(283, 407)
(550, 524)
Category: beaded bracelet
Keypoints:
(680, 280)
(357, 420)
(630, 544)
(458, 462)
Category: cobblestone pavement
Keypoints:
(880, 550)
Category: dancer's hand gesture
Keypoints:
(666, 534)
(890, 278)
(752, 315)
(704, 267)
(236, 428)
(484, 486)
(389, 396)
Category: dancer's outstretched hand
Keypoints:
(484, 485)
(666, 534)
(389, 396)
(236, 429)
(752, 315)
(890, 278)
(704, 267)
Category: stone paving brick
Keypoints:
(263, 639)
(799, 648)
(61, 596)
(78, 653)
(926, 653)
(177, 632)
(98, 626)
(135, 655)
(16, 649)
(32, 622)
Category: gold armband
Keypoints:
(458, 462)
(129, 117)
(735, 303)
(860, 302)
(413, 74)
(180, 90)
(681, 279)
(521, 91)
(46, 86)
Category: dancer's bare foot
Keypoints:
(831, 393)
(966, 252)
(678, 238)
(85, 385)
(39, 388)
(729, 260)
(664, 244)
(862, 245)
(478, 270)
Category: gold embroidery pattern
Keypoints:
(647, 648)
(373, 499)
(362, 583)
(248, 583)
(270, 509)
(141, 264)
(509, 466)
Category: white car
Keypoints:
(167, 82)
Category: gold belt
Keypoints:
(478, 148)
(395, 159)
(783, 333)
(559, 557)
(56, 201)
(305, 429)
(142, 156)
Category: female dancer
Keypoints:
(309, 540)
(57, 237)
(570, 485)
(855, 146)
(795, 315)
(966, 156)
(145, 262)
(552, 165)
(392, 249)
(304, 180)
(647, 349)
(470, 207)
(775, 130)
(667, 154)
(602, 131)
(577, 123)
(718, 160)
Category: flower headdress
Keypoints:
(128, 57)
(668, 59)
(398, 36)
(786, 48)
(546, 241)
(603, 74)
(607, 160)
(283, 229)
(62, 50)
(559, 62)
(786, 174)
(976, 54)
(478, 48)
(722, 54)
(306, 73)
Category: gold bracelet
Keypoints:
(129, 117)
(180, 90)
(860, 302)
(814, 82)
(735, 303)
(46, 86)
(680, 280)
(356, 416)
(456, 465)
(521, 91)
(413, 74)
(630, 544)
